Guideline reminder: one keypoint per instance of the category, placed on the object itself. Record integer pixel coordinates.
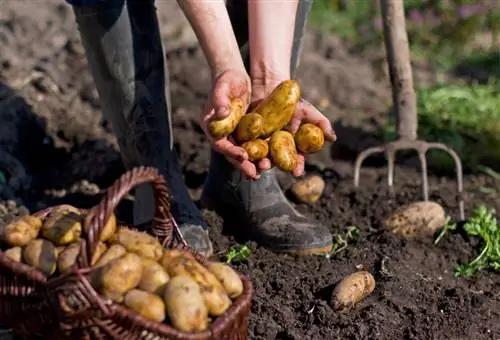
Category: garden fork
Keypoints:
(405, 105)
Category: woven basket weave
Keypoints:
(68, 307)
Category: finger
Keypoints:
(299, 168)
(310, 114)
(246, 167)
(228, 149)
(221, 99)
(264, 164)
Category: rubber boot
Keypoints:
(125, 54)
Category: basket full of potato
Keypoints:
(71, 273)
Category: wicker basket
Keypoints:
(68, 307)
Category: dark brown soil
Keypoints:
(51, 121)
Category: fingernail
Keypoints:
(222, 112)
(257, 177)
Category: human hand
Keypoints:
(227, 86)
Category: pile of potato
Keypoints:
(261, 133)
(131, 268)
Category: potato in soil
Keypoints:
(114, 251)
(180, 263)
(224, 127)
(250, 127)
(309, 138)
(283, 151)
(15, 254)
(228, 277)
(21, 231)
(278, 108)
(186, 308)
(42, 255)
(108, 230)
(352, 289)
(154, 277)
(140, 243)
(67, 258)
(308, 189)
(256, 149)
(147, 305)
(63, 229)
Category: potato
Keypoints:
(212, 291)
(154, 277)
(67, 258)
(352, 289)
(21, 231)
(108, 230)
(251, 127)
(256, 149)
(278, 108)
(99, 251)
(228, 277)
(114, 251)
(308, 189)
(224, 127)
(416, 220)
(63, 230)
(119, 276)
(140, 243)
(41, 254)
(185, 307)
(283, 151)
(147, 305)
(309, 138)
(15, 254)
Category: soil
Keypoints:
(52, 124)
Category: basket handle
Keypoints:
(164, 226)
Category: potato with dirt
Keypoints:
(278, 108)
(113, 252)
(67, 258)
(138, 242)
(228, 277)
(108, 230)
(282, 150)
(308, 189)
(63, 229)
(21, 231)
(251, 127)
(309, 138)
(220, 128)
(181, 263)
(42, 255)
(147, 305)
(15, 254)
(185, 304)
(154, 277)
(352, 289)
(256, 149)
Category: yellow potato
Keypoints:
(185, 307)
(416, 220)
(63, 230)
(278, 108)
(41, 254)
(283, 151)
(100, 250)
(251, 127)
(21, 231)
(67, 258)
(308, 189)
(352, 289)
(108, 230)
(154, 277)
(216, 299)
(119, 276)
(140, 243)
(15, 254)
(224, 127)
(114, 251)
(309, 138)
(256, 149)
(228, 277)
(147, 305)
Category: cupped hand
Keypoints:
(227, 86)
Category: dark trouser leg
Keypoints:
(124, 51)
(272, 221)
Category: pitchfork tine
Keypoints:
(360, 159)
(423, 167)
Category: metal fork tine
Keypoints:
(391, 160)
(360, 159)
(423, 166)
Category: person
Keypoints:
(251, 46)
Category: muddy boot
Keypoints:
(125, 54)
(269, 218)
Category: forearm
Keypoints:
(271, 31)
(211, 24)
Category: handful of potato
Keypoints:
(131, 268)
(261, 133)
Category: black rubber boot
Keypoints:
(125, 54)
